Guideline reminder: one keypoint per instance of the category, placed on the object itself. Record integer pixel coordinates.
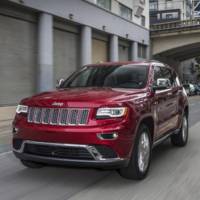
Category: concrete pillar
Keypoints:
(114, 48)
(45, 53)
(134, 51)
(86, 45)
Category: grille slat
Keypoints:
(58, 116)
(58, 152)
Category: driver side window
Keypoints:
(162, 76)
(157, 74)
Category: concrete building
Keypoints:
(44, 40)
(169, 10)
(189, 71)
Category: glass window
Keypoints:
(125, 12)
(157, 74)
(125, 76)
(153, 6)
(143, 20)
(163, 72)
(104, 4)
(169, 4)
(169, 16)
(167, 74)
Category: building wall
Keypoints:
(40, 38)
(100, 47)
(189, 71)
(65, 61)
(18, 33)
(133, 5)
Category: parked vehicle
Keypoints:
(107, 115)
(197, 89)
(189, 88)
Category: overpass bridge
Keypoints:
(177, 41)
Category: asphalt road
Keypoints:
(174, 174)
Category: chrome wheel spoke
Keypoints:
(143, 152)
(184, 129)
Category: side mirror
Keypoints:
(162, 84)
(59, 82)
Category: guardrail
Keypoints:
(175, 25)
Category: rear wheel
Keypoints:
(181, 138)
(141, 155)
(31, 164)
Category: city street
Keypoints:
(174, 174)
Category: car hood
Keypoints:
(90, 97)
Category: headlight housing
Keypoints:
(114, 112)
(22, 109)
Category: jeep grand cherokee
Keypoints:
(104, 115)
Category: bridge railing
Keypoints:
(175, 25)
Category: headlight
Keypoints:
(111, 112)
(21, 109)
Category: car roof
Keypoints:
(104, 64)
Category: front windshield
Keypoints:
(126, 76)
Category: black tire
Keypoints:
(31, 164)
(132, 171)
(180, 139)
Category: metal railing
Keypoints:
(175, 25)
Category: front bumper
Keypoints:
(67, 154)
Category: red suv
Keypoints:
(104, 115)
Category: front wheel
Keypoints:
(180, 139)
(138, 166)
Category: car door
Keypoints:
(159, 103)
(165, 102)
(177, 96)
(172, 98)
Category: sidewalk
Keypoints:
(6, 116)
(5, 135)
(7, 113)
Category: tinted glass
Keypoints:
(163, 72)
(127, 76)
(167, 74)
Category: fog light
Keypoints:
(107, 136)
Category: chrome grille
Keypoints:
(58, 116)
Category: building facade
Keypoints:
(44, 40)
(189, 71)
(162, 11)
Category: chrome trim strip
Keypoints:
(160, 140)
(91, 149)
(46, 117)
